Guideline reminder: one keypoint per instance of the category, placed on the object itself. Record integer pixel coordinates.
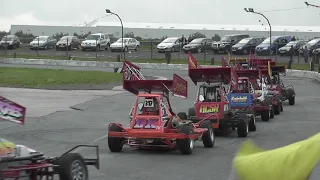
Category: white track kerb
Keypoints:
(101, 64)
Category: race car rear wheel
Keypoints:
(265, 115)
(243, 129)
(182, 115)
(291, 100)
(277, 109)
(115, 143)
(272, 113)
(192, 112)
(208, 137)
(72, 167)
(281, 108)
(252, 123)
(185, 145)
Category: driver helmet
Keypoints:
(210, 93)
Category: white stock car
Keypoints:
(128, 44)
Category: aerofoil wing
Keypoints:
(197, 73)
(135, 82)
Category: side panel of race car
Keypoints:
(239, 100)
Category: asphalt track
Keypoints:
(142, 54)
(55, 133)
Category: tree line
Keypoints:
(26, 37)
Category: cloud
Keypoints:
(26, 18)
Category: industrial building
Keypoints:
(158, 30)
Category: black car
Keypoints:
(68, 41)
(247, 45)
(285, 50)
(311, 45)
(225, 44)
(198, 45)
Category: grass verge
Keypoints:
(38, 78)
(173, 61)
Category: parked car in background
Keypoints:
(276, 43)
(285, 50)
(10, 42)
(172, 44)
(247, 45)
(225, 44)
(128, 44)
(311, 45)
(98, 41)
(69, 42)
(198, 45)
(43, 42)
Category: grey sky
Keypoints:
(71, 12)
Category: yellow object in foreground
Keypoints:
(292, 162)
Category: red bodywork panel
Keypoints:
(11, 111)
(40, 168)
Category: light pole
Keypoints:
(109, 12)
(250, 10)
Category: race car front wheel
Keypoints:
(243, 129)
(72, 167)
(208, 137)
(252, 123)
(185, 145)
(265, 115)
(115, 143)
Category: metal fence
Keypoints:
(147, 52)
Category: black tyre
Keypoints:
(291, 100)
(137, 48)
(192, 112)
(72, 165)
(243, 129)
(281, 108)
(277, 109)
(185, 145)
(208, 138)
(265, 116)
(199, 50)
(252, 123)
(115, 143)
(83, 49)
(271, 113)
(182, 115)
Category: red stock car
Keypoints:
(19, 162)
(153, 124)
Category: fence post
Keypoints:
(306, 54)
(205, 51)
(151, 48)
(179, 51)
(38, 47)
(291, 56)
(312, 64)
(212, 61)
(5, 46)
(276, 52)
(96, 48)
(298, 57)
(168, 56)
(67, 47)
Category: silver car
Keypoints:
(172, 44)
(43, 42)
(128, 44)
(10, 42)
(99, 41)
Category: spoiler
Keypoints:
(134, 82)
(261, 63)
(11, 111)
(250, 73)
(208, 75)
(279, 69)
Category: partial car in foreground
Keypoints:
(98, 41)
(128, 44)
(311, 45)
(225, 44)
(276, 43)
(69, 42)
(286, 50)
(198, 45)
(43, 42)
(10, 42)
(247, 45)
(172, 44)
